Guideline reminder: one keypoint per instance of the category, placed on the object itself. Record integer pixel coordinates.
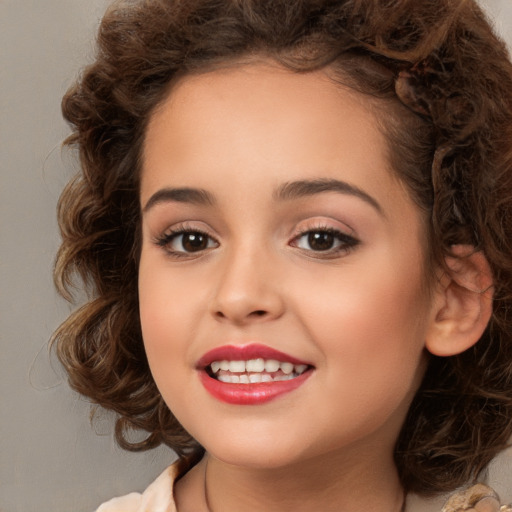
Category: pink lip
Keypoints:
(248, 394)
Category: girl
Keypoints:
(294, 222)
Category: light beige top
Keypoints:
(158, 497)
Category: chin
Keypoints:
(257, 459)
(254, 453)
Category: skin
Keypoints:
(360, 314)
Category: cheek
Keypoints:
(162, 306)
(369, 319)
(173, 307)
(164, 321)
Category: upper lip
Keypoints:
(244, 353)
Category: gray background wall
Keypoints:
(51, 459)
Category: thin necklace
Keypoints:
(205, 487)
(403, 508)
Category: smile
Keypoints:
(251, 374)
(255, 370)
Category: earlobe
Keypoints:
(462, 303)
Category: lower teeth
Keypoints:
(254, 378)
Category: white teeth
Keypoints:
(255, 365)
(283, 377)
(300, 368)
(256, 370)
(271, 365)
(287, 368)
(253, 378)
(237, 366)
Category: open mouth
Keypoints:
(254, 371)
(251, 374)
(251, 387)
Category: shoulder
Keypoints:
(492, 494)
(158, 497)
(480, 497)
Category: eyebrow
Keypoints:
(180, 195)
(305, 188)
(286, 192)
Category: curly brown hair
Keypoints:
(445, 82)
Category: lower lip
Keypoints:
(250, 394)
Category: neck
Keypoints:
(332, 485)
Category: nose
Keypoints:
(248, 289)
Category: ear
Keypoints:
(462, 306)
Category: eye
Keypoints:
(326, 240)
(183, 242)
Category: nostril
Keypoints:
(259, 312)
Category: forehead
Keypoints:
(262, 93)
(289, 120)
(254, 127)
(243, 133)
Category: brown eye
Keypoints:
(330, 241)
(320, 240)
(192, 242)
(187, 242)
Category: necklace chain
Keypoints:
(206, 488)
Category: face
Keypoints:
(282, 287)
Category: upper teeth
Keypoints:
(258, 366)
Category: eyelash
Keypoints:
(169, 236)
(346, 242)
